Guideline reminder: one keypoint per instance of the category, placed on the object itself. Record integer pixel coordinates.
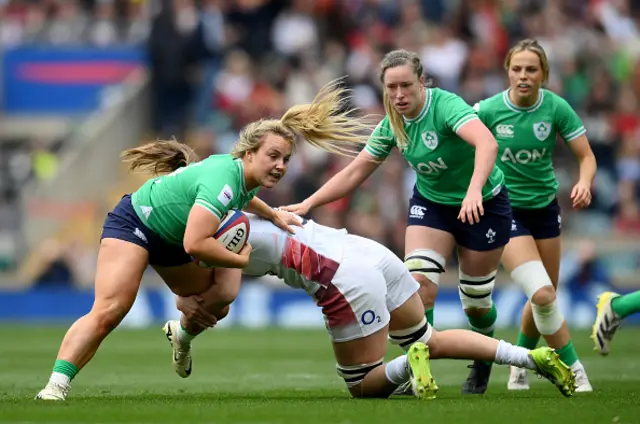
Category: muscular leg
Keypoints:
(519, 251)
(534, 265)
(550, 252)
(217, 298)
(477, 279)
(360, 360)
(538, 277)
(186, 280)
(218, 288)
(465, 344)
(426, 250)
(118, 275)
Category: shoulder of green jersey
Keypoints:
(375, 152)
(464, 120)
(575, 134)
(208, 206)
(560, 101)
(383, 125)
(378, 143)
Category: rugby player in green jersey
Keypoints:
(459, 198)
(172, 218)
(525, 120)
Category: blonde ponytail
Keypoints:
(327, 123)
(159, 157)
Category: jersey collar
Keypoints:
(425, 108)
(532, 108)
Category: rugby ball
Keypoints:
(233, 233)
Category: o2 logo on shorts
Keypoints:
(369, 317)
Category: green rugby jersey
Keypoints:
(444, 162)
(527, 138)
(216, 183)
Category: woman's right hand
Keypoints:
(300, 209)
(245, 252)
(194, 311)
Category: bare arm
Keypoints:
(581, 192)
(586, 159)
(282, 220)
(478, 135)
(199, 242)
(259, 207)
(345, 181)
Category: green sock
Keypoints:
(626, 305)
(67, 368)
(184, 336)
(484, 324)
(526, 341)
(429, 314)
(568, 354)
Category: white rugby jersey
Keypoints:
(307, 259)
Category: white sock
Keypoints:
(184, 337)
(59, 379)
(577, 366)
(513, 355)
(397, 370)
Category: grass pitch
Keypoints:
(286, 376)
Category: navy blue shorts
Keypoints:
(122, 223)
(493, 230)
(542, 223)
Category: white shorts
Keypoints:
(370, 282)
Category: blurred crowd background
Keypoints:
(215, 65)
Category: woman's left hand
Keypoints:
(581, 195)
(471, 209)
(284, 220)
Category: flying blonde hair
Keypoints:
(159, 157)
(326, 123)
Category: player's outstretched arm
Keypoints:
(280, 219)
(343, 183)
